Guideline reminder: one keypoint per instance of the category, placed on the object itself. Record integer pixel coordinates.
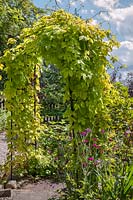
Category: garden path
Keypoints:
(3, 147)
(42, 190)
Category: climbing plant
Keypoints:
(79, 50)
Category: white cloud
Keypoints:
(92, 11)
(94, 22)
(107, 4)
(84, 11)
(72, 3)
(59, 1)
(125, 53)
(82, 1)
(127, 44)
(122, 18)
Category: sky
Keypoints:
(116, 15)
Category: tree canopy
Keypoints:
(15, 15)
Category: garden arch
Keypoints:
(79, 50)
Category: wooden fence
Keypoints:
(53, 111)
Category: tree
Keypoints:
(52, 91)
(129, 82)
(15, 15)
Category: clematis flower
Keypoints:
(91, 158)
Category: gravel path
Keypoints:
(3, 147)
(42, 190)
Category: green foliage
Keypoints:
(120, 108)
(54, 143)
(39, 165)
(15, 15)
(51, 93)
(79, 50)
(3, 119)
(103, 164)
(49, 159)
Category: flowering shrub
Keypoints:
(103, 167)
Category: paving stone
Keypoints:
(11, 184)
(1, 187)
(30, 195)
(5, 193)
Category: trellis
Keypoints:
(79, 50)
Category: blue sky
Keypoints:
(117, 15)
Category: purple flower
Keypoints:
(96, 146)
(94, 139)
(91, 158)
(83, 133)
(88, 130)
(97, 162)
(128, 132)
(86, 141)
(84, 164)
(102, 131)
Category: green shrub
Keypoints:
(3, 117)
